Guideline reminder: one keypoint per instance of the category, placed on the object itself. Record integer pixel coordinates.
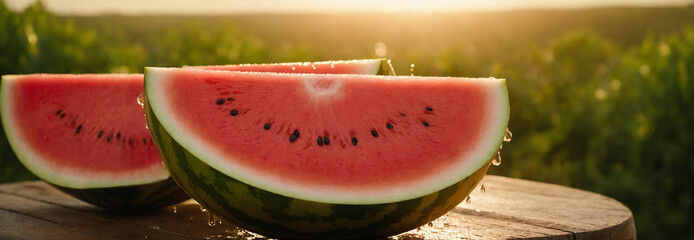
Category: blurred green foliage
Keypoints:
(601, 99)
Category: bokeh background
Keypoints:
(602, 98)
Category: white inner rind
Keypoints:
(371, 66)
(156, 80)
(36, 162)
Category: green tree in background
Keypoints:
(192, 44)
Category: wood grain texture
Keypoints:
(509, 209)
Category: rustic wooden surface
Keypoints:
(508, 209)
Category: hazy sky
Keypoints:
(90, 7)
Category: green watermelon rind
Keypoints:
(486, 147)
(279, 216)
(385, 68)
(143, 196)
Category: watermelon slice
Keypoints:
(86, 134)
(310, 155)
(357, 66)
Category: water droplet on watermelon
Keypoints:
(508, 136)
(468, 200)
(213, 220)
(313, 66)
(497, 159)
(141, 100)
(412, 69)
(293, 68)
(332, 65)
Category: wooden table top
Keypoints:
(508, 209)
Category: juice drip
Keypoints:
(508, 136)
(141, 100)
(497, 158)
(212, 220)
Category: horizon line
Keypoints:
(266, 7)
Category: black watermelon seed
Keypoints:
(402, 114)
(99, 134)
(234, 112)
(429, 109)
(108, 139)
(229, 99)
(354, 141)
(320, 141)
(426, 124)
(220, 101)
(58, 112)
(62, 115)
(267, 126)
(73, 122)
(389, 126)
(118, 135)
(79, 128)
(374, 133)
(144, 141)
(292, 138)
(326, 140)
(296, 132)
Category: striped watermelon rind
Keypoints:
(144, 196)
(280, 216)
(385, 68)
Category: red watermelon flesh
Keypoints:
(333, 138)
(80, 131)
(88, 131)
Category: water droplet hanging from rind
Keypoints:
(141, 100)
(497, 158)
(508, 136)
(213, 220)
